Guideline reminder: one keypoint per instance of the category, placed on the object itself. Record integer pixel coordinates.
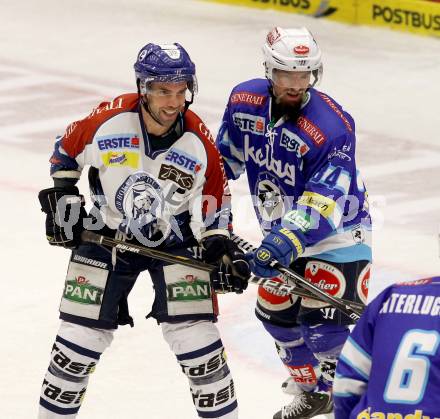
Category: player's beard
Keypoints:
(161, 118)
(282, 106)
(289, 110)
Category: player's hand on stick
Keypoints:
(232, 267)
(281, 245)
(64, 208)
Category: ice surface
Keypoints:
(58, 59)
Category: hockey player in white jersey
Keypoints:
(297, 146)
(156, 179)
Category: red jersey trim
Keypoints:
(216, 184)
(336, 110)
(80, 133)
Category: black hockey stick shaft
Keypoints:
(248, 247)
(346, 308)
(283, 288)
(296, 289)
(88, 236)
(351, 309)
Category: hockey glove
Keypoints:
(64, 208)
(232, 267)
(281, 245)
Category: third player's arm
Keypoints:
(355, 362)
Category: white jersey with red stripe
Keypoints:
(179, 191)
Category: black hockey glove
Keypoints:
(233, 269)
(64, 208)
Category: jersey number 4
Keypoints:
(409, 373)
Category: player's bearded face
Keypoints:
(289, 88)
(166, 100)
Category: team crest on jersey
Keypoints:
(140, 198)
(327, 278)
(269, 199)
(358, 234)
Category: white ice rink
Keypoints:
(60, 58)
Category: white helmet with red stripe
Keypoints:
(292, 50)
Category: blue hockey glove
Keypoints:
(280, 244)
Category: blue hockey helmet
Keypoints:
(169, 63)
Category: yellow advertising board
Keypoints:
(417, 16)
(339, 10)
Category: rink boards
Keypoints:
(420, 17)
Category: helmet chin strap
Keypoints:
(315, 74)
(145, 105)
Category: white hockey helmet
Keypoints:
(292, 50)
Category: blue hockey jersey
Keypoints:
(390, 364)
(301, 172)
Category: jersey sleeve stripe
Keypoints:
(80, 133)
(236, 169)
(354, 356)
(347, 387)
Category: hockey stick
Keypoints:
(296, 289)
(350, 308)
(88, 236)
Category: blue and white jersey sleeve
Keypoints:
(230, 145)
(354, 365)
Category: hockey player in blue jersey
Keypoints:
(390, 364)
(297, 146)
